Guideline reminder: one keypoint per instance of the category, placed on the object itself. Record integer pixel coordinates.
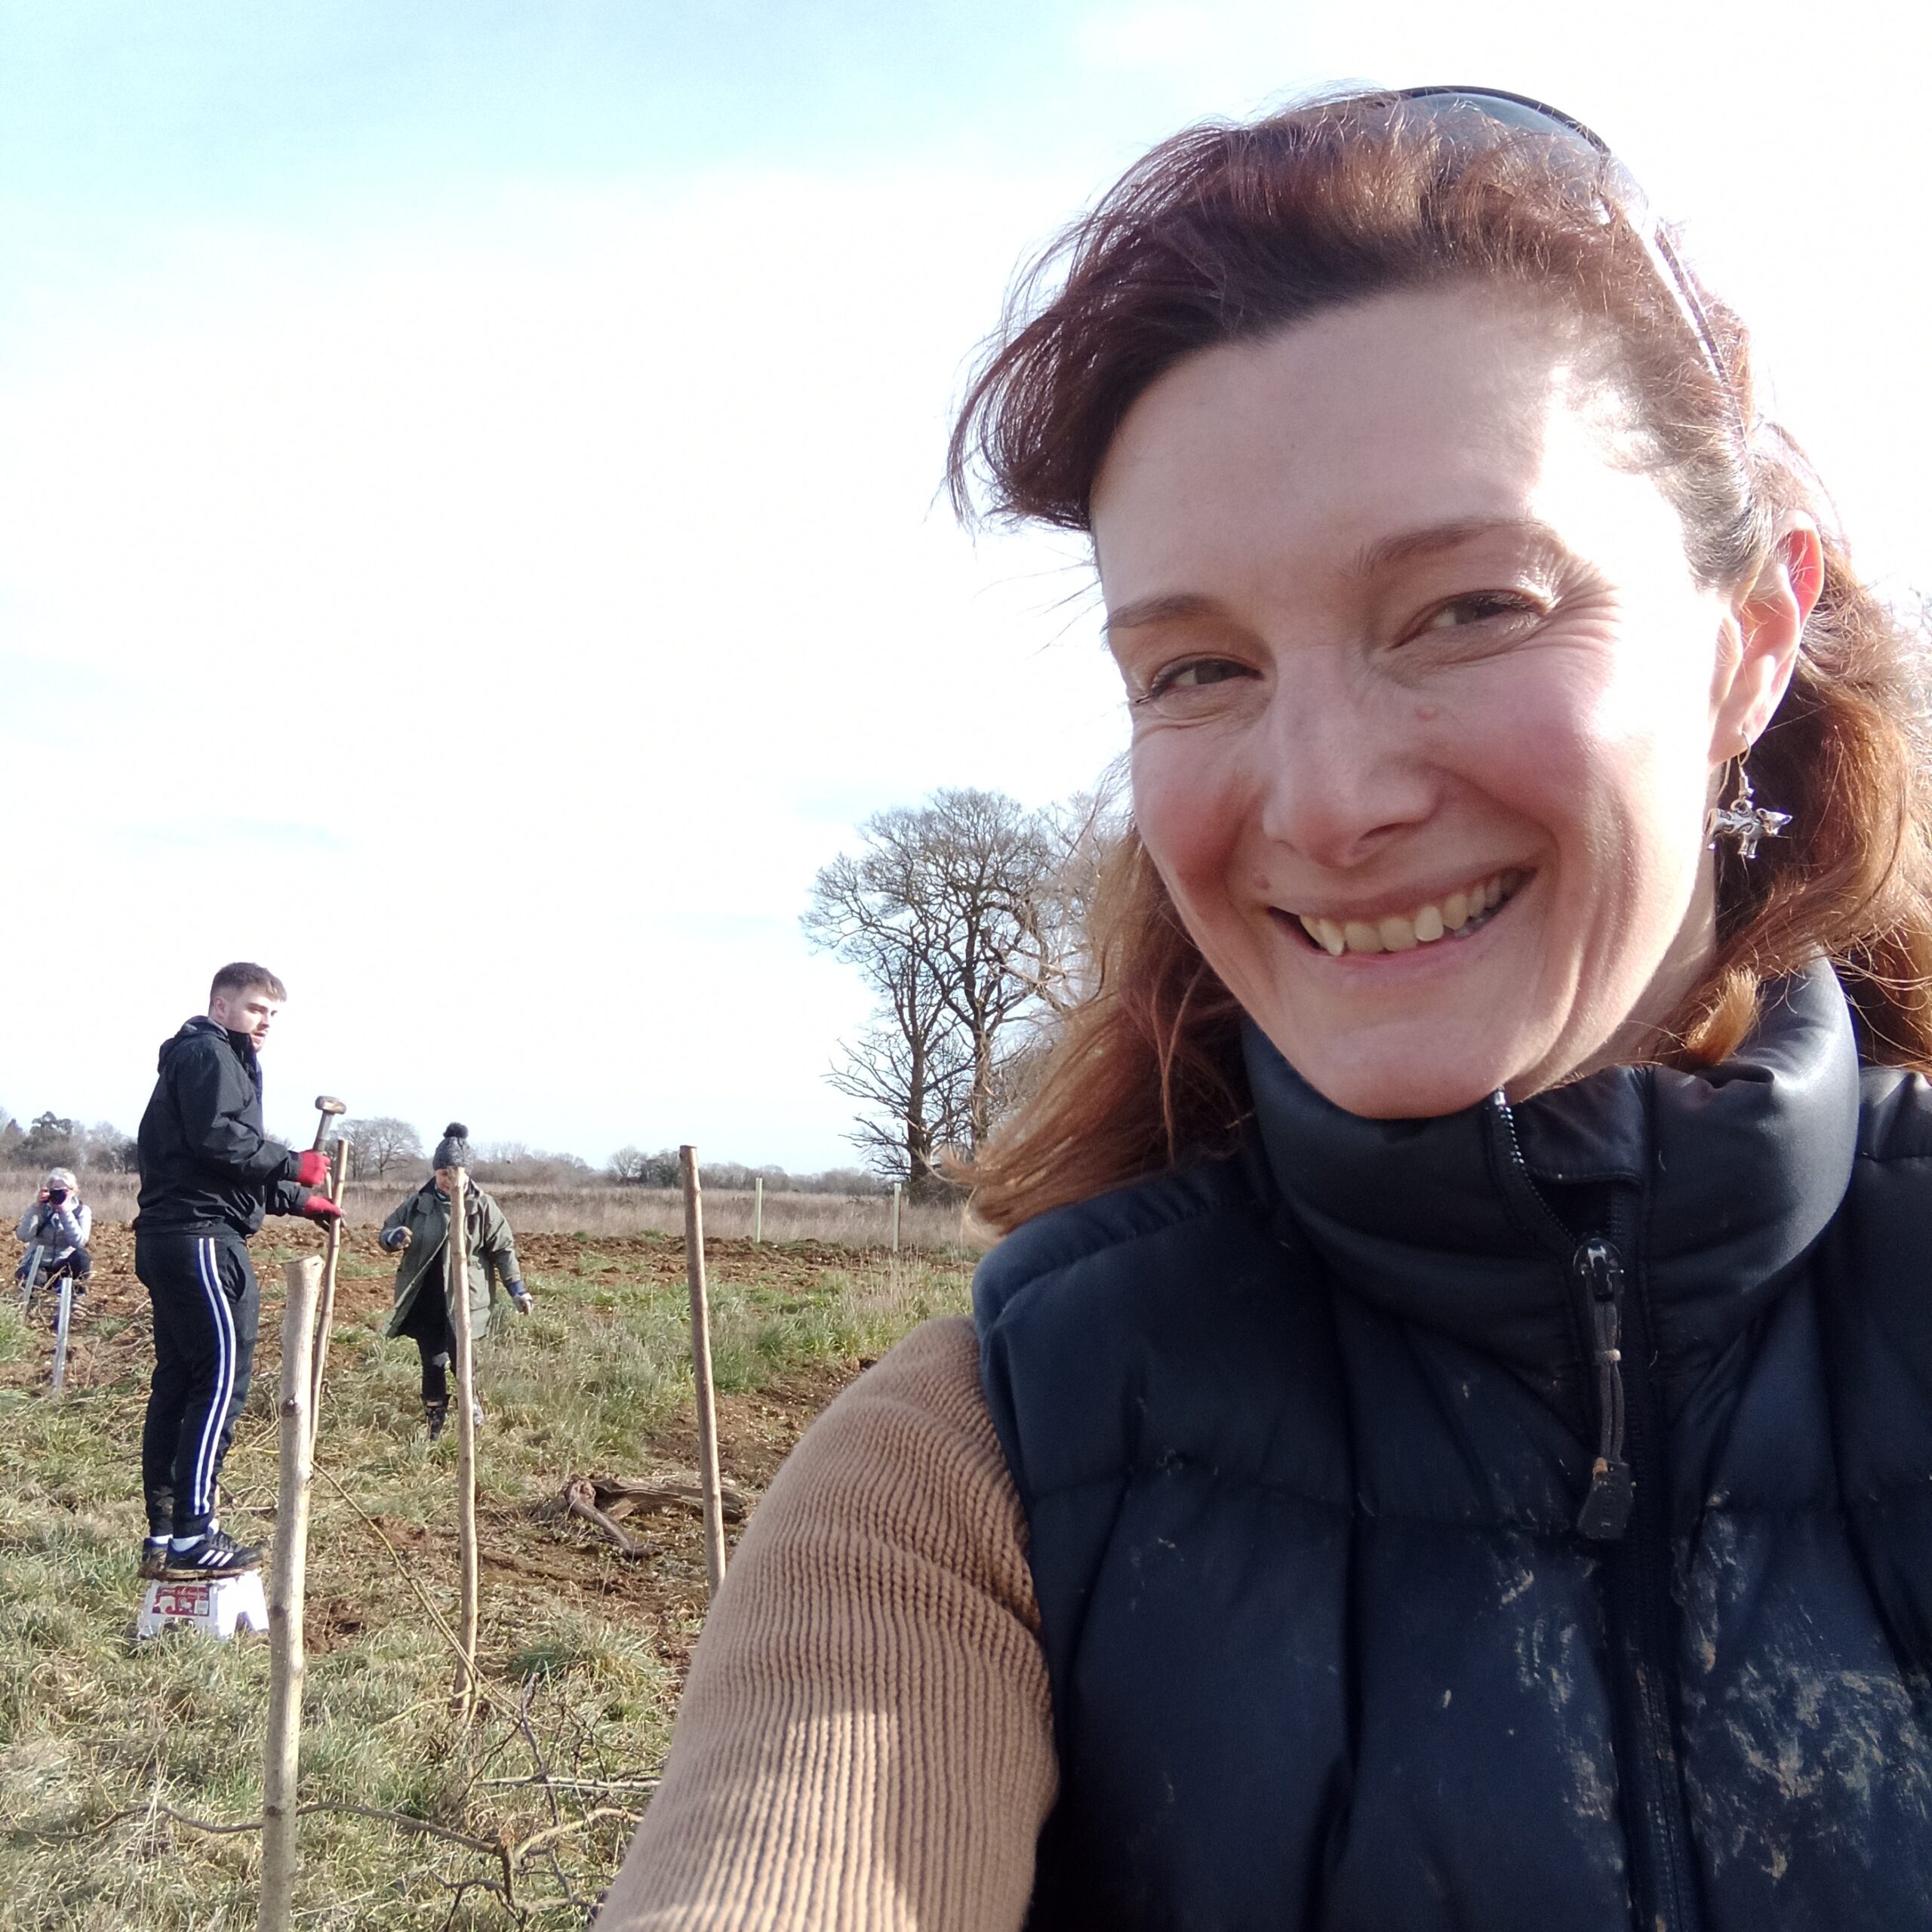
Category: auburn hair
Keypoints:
(1227, 233)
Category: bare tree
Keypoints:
(53, 1140)
(379, 1143)
(632, 1167)
(914, 1092)
(1080, 832)
(110, 1151)
(878, 910)
(493, 1162)
(1054, 958)
(990, 858)
(960, 914)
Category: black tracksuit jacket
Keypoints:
(207, 1166)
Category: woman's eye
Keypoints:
(1475, 607)
(1193, 675)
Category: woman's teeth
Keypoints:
(1458, 915)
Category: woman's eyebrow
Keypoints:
(1164, 608)
(1430, 540)
(1540, 542)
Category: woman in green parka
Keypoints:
(417, 1229)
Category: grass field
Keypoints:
(105, 1747)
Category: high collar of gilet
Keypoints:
(1718, 1182)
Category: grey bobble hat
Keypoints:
(453, 1150)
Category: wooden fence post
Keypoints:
(281, 1763)
(456, 1251)
(758, 1209)
(895, 1216)
(707, 1406)
(325, 1313)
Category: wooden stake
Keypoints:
(707, 1402)
(895, 1217)
(281, 1763)
(758, 1209)
(456, 1249)
(325, 1313)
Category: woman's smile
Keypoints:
(1458, 915)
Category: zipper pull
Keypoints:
(1605, 1514)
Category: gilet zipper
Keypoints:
(1626, 1510)
(1605, 1514)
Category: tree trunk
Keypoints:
(982, 1084)
(918, 1133)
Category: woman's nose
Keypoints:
(1338, 775)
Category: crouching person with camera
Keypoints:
(58, 1223)
(418, 1229)
(209, 1173)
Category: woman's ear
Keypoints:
(1770, 616)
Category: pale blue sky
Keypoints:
(116, 115)
(578, 374)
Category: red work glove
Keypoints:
(320, 1207)
(314, 1169)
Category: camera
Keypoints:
(57, 1196)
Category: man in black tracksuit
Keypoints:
(208, 1174)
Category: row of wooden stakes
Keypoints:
(307, 1316)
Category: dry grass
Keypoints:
(583, 1652)
(863, 1220)
(860, 1220)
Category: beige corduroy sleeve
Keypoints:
(865, 1741)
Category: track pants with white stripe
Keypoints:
(206, 1305)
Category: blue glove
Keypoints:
(395, 1238)
(521, 1296)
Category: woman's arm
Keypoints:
(498, 1247)
(867, 1739)
(393, 1225)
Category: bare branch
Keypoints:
(966, 916)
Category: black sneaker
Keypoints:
(217, 1554)
(154, 1559)
(435, 1414)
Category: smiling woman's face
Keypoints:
(1427, 702)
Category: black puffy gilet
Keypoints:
(1304, 1437)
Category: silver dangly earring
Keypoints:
(1744, 819)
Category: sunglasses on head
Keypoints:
(1517, 110)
